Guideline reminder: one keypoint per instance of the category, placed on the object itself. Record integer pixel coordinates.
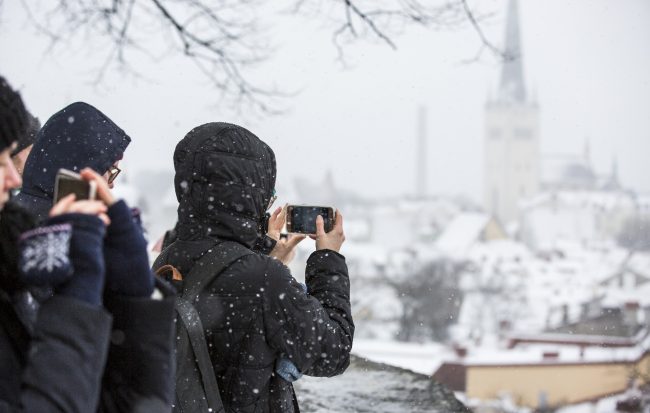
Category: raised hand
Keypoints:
(285, 248)
(329, 240)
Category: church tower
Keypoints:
(511, 167)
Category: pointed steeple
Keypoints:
(512, 87)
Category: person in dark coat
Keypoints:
(255, 314)
(101, 338)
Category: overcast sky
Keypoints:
(587, 61)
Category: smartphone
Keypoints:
(69, 182)
(302, 219)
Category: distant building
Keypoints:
(563, 172)
(511, 143)
(576, 216)
(550, 370)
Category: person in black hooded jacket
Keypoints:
(255, 314)
(112, 329)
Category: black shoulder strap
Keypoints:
(216, 259)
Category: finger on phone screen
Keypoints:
(320, 226)
(62, 206)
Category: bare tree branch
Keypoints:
(221, 37)
(484, 40)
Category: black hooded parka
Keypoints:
(254, 312)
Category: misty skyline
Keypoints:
(587, 63)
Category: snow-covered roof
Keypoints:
(462, 232)
(566, 354)
(579, 339)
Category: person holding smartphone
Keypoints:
(99, 339)
(262, 328)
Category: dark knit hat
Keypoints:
(14, 119)
(28, 138)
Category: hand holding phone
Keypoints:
(68, 182)
(301, 219)
(75, 193)
(329, 240)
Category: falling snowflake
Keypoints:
(46, 251)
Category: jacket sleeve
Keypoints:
(314, 330)
(139, 373)
(66, 358)
(264, 245)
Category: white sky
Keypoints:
(587, 60)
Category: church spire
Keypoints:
(512, 86)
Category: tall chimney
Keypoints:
(421, 154)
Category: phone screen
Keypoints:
(303, 218)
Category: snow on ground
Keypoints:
(369, 387)
(606, 405)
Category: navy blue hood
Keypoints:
(74, 138)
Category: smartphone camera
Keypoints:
(302, 219)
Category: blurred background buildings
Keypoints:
(532, 293)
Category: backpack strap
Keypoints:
(169, 272)
(204, 271)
